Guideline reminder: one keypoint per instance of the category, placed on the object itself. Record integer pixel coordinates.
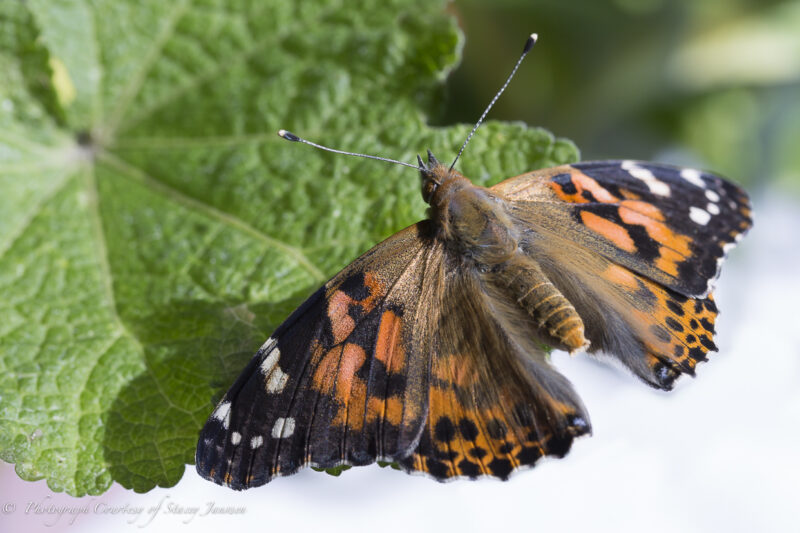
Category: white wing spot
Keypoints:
(267, 343)
(223, 414)
(270, 361)
(700, 216)
(283, 428)
(655, 185)
(713, 209)
(712, 196)
(236, 438)
(256, 442)
(693, 176)
(276, 378)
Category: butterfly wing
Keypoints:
(495, 404)
(669, 224)
(401, 357)
(342, 381)
(635, 247)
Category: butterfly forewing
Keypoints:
(670, 224)
(342, 381)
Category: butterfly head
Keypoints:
(436, 177)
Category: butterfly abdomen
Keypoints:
(558, 322)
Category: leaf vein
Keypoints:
(220, 66)
(130, 92)
(228, 219)
(25, 223)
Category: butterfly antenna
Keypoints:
(528, 45)
(289, 136)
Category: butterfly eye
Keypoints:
(429, 187)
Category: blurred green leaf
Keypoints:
(753, 47)
(155, 229)
(724, 129)
(785, 157)
(710, 84)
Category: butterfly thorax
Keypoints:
(471, 220)
(475, 225)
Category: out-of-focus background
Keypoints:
(711, 82)
(714, 84)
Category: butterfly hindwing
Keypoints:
(495, 404)
(619, 241)
(342, 381)
(656, 332)
(670, 224)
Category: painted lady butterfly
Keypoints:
(427, 350)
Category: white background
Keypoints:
(719, 453)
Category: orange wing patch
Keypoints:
(389, 347)
(673, 248)
(580, 189)
(340, 306)
(340, 371)
(461, 440)
(483, 421)
(677, 332)
(610, 230)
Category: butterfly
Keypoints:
(429, 351)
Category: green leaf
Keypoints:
(154, 228)
(335, 471)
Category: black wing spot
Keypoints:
(500, 467)
(675, 308)
(355, 287)
(436, 468)
(477, 452)
(565, 181)
(697, 354)
(674, 324)
(559, 445)
(529, 455)
(444, 431)
(468, 468)
(468, 429)
(708, 344)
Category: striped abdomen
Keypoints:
(556, 318)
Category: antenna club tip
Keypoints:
(289, 136)
(530, 42)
